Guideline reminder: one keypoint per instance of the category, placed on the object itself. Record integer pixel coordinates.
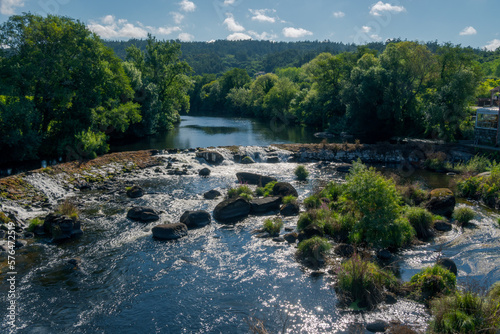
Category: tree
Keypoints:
(67, 79)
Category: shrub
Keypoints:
(413, 194)
(361, 283)
(265, 191)
(34, 223)
(435, 161)
(314, 247)
(289, 199)
(332, 191)
(92, 143)
(376, 200)
(464, 312)
(431, 282)
(476, 165)
(69, 209)
(312, 202)
(259, 192)
(242, 191)
(273, 226)
(305, 219)
(340, 226)
(421, 220)
(301, 173)
(3, 218)
(494, 292)
(469, 188)
(463, 215)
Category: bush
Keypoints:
(463, 215)
(464, 312)
(34, 223)
(266, 191)
(435, 161)
(376, 200)
(494, 292)
(92, 143)
(340, 226)
(332, 191)
(67, 208)
(312, 202)
(273, 226)
(314, 247)
(431, 282)
(242, 191)
(289, 199)
(305, 219)
(469, 188)
(412, 194)
(301, 173)
(476, 165)
(421, 220)
(361, 283)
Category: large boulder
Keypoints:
(255, 179)
(196, 219)
(212, 194)
(265, 205)
(283, 189)
(448, 264)
(170, 231)
(61, 227)
(135, 192)
(442, 202)
(143, 214)
(290, 209)
(211, 157)
(231, 210)
(204, 172)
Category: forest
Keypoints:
(64, 92)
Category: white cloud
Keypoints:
(184, 36)
(238, 36)
(468, 31)
(229, 2)
(366, 29)
(338, 15)
(178, 17)
(296, 32)
(187, 6)
(109, 27)
(232, 25)
(380, 7)
(7, 6)
(261, 15)
(493, 45)
(263, 36)
(376, 37)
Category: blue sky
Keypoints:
(466, 22)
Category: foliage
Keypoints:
(435, 161)
(242, 191)
(421, 220)
(478, 164)
(301, 173)
(377, 202)
(313, 202)
(68, 208)
(267, 190)
(432, 282)
(463, 215)
(92, 143)
(469, 187)
(273, 226)
(412, 193)
(289, 199)
(305, 219)
(314, 247)
(361, 283)
(3, 218)
(465, 312)
(34, 223)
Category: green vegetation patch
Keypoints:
(301, 173)
(432, 282)
(273, 226)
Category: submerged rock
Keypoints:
(284, 189)
(378, 326)
(448, 264)
(442, 226)
(442, 202)
(211, 157)
(265, 205)
(204, 172)
(272, 160)
(170, 231)
(143, 214)
(291, 237)
(211, 194)
(231, 210)
(255, 179)
(135, 192)
(196, 219)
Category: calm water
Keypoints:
(199, 131)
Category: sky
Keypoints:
(473, 23)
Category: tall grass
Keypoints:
(68, 208)
(273, 226)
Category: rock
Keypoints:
(262, 235)
(384, 255)
(291, 237)
(211, 157)
(390, 298)
(61, 227)
(442, 202)
(170, 231)
(204, 172)
(28, 235)
(448, 264)
(284, 189)
(255, 179)
(344, 168)
(317, 273)
(73, 264)
(378, 326)
(442, 226)
(266, 205)
(324, 135)
(290, 209)
(196, 219)
(247, 160)
(212, 194)
(135, 192)
(272, 160)
(309, 232)
(39, 230)
(142, 214)
(344, 250)
(279, 239)
(231, 210)
(20, 243)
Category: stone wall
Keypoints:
(486, 136)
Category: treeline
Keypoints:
(406, 90)
(64, 93)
